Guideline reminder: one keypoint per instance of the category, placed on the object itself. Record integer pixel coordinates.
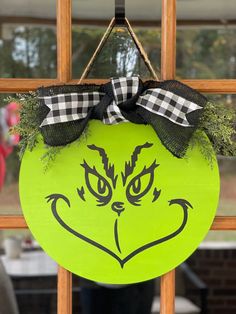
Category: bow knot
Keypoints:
(124, 93)
(168, 106)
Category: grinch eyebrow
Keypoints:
(130, 165)
(108, 167)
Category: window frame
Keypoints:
(64, 76)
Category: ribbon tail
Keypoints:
(65, 133)
(173, 110)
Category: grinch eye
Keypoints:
(140, 184)
(97, 185)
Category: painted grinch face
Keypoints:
(135, 187)
(118, 207)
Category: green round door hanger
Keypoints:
(116, 206)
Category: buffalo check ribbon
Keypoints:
(168, 105)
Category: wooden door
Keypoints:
(64, 75)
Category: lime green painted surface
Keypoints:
(144, 226)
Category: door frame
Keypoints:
(64, 76)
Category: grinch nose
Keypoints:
(118, 207)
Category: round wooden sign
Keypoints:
(116, 206)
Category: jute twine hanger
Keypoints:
(119, 20)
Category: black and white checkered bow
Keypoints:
(170, 107)
(75, 106)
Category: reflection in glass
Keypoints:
(206, 53)
(28, 51)
(227, 167)
(119, 56)
(206, 39)
(9, 160)
(28, 39)
(214, 265)
(90, 20)
(28, 275)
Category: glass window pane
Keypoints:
(227, 205)
(119, 56)
(9, 160)
(227, 167)
(29, 287)
(214, 265)
(28, 39)
(206, 39)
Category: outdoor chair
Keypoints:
(8, 304)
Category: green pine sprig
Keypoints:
(218, 122)
(28, 127)
(50, 156)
